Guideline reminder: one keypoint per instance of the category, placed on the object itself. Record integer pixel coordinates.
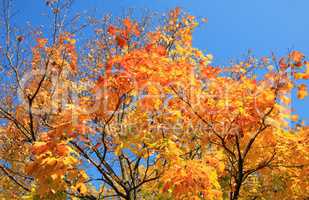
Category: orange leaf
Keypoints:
(41, 42)
(135, 30)
(302, 91)
(39, 147)
(296, 56)
(127, 23)
(62, 149)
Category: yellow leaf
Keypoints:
(81, 188)
(294, 118)
(286, 100)
(302, 91)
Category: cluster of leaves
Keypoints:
(144, 115)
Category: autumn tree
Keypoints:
(136, 112)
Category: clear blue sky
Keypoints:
(234, 25)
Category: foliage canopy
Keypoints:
(139, 113)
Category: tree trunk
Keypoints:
(239, 179)
(131, 195)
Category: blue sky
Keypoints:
(234, 26)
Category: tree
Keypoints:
(140, 113)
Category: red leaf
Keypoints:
(112, 30)
(282, 63)
(121, 41)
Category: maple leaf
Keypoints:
(127, 23)
(81, 188)
(41, 42)
(282, 63)
(121, 41)
(135, 30)
(296, 56)
(112, 30)
(152, 117)
(302, 91)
